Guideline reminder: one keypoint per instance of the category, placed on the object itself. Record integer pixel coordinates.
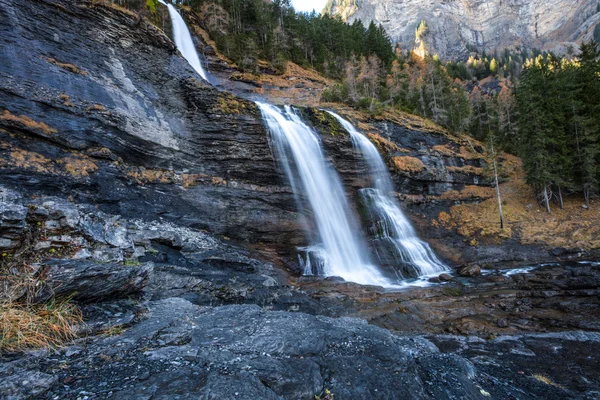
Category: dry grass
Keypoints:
(79, 166)
(215, 180)
(293, 75)
(464, 152)
(190, 180)
(34, 326)
(411, 165)
(67, 67)
(384, 145)
(444, 150)
(66, 100)
(26, 123)
(471, 192)
(414, 122)
(109, 5)
(17, 281)
(115, 330)
(96, 107)
(144, 176)
(572, 227)
(544, 379)
(19, 158)
(467, 169)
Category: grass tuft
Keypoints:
(35, 326)
(467, 169)
(24, 122)
(67, 67)
(408, 164)
(544, 379)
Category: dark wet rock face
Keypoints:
(131, 129)
(111, 257)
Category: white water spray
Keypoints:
(392, 224)
(183, 40)
(340, 253)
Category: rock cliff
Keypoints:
(132, 131)
(484, 24)
(103, 109)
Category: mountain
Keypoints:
(454, 26)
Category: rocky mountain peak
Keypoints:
(455, 26)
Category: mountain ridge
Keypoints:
(459, 25)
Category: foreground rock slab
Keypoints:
(181, 351)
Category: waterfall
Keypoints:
(391, 223)
(339, 252)
(183, 40)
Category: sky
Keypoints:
(309, 5)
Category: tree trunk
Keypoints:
(560, 199)
(498, 189)
(546, 199)
(586, 194)
(435, 112)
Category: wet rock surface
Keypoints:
(548, 298)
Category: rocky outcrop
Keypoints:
(486, 25)
(78, 252)
(88, 281)
(469, 270)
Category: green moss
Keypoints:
(324, 121)
(452, 291)
(228, 104)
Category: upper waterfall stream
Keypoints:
(391, 224)
(183, 40)
(340, 252)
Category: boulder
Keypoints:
(469, 270)
(87, 280)
(445, 278)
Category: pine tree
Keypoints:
(588, 83)
(535, 132)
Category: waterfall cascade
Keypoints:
(340, 252)
(183, 40)
(390, 222)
